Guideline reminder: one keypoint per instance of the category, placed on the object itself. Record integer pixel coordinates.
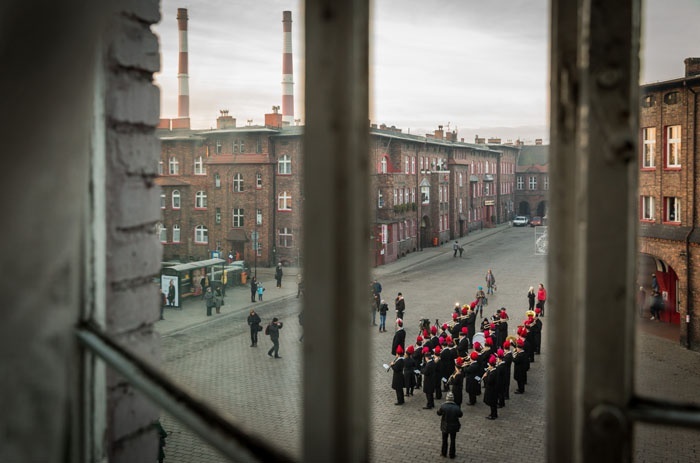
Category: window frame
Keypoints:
(288, 237)
(200, 200)
(199, 168)
(176, 229)
(284, 202)
(173, 166)
(647, 211)
(176, 196)
(672, 205)
(201, 234)
(284, 165)
(238, 217)
(648, 148)
(669, 147)
(237, 183)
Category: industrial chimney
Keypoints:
(183, 87)
(287, 73)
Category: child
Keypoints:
(261, 289)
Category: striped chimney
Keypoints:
(287, 73)
(183, 87)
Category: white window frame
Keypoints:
(173, 166)
(648, 147)
(217, 216)
(238, 218)
(176, 199)
(383, 165)
(461, 180)
(201, 234)
(218, 147)
(285, 237)
(284, 201)
(532, 182)
(199, 166)
(647, 208)
(217, 180)
(380, 199)
(673, 146)
(258, 216)
(162, 199)
(413, 164)
(520, 183)
(672, 209)
(284, 165)
(425, 194)
(258, 180)
(176, 233)
(238, 183)
(460, 205)
(160, 167)
(162, 233)
(545, 182)
(200, 201)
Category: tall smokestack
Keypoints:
(183, 87)
(287, 73)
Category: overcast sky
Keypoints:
(479, 66)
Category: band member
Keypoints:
(447, 362)
(502, 328)
(472, 376)
(434, 341)
(397, 382)
(399, 337)
(470, 323)
(520, 366)
(463, 343)
(418, 360)
(429, 372)
(503, 377)
(536, 331)
(437, 379)
(409, 366)
(456, 381)
(490, 380)
(508, 359)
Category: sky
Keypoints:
(478, 67)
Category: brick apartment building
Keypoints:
(532, 180)
(668, 192)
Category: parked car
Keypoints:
(536, 222)
(520, 221)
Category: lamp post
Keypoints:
(255, 234)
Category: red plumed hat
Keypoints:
(492, 360)
(487, 333)
(437, 349)
(464, 330)
(410, 350)
(538, 310)
(441, 340)
(426, 335)
(520, 343)
(473, 304)
(473, 355)
(454, 315)
(492, 326)
(448, 340)
(433, 329)
(444, 326)
(419, 338)
(500, 353)
(477, 345)
(506, 344)
(426, 350)
(504, 315)
(489, 342)
(459, 361)
(465, 310)
(399, 349)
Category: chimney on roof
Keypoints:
(494, 141)
(538, 141)
(692, 67)
(451, 136)
(479, 141)
(287, 73)
(439, 133)
(274, 119)
(224, 121)
(183, 86)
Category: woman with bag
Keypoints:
(254, 324)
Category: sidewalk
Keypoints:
(193, 311)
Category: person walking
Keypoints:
(375, 302)
(278, 275)
(273, 330)
(383, 309)
(541, 298)
(449, 424)
(209, 301)
(254, 324)
(253, 288)
(399, 338)
(455, 248)
(218, 299)
(531, 296)
(300, 284)
(203, 285)
(397, 380)
(461, 250)
(301, 323)
(400, 306)
(171, 294)
(490, 282)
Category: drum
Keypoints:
(480, 338)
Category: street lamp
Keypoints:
(255, 233)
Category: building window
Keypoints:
(648, 146)
(648, 101)
(258, 216)
(258, 250)
(258, 180)
(284, 166)
(242, 146)
(201, 234)
(218, 146)
(176, 199)
(440, 194)
(174, 166)
(382, 165)
(460, 205)
(671, 98)
(176, 233)
(284, 202)
(237, 218)
(396, 197)
(160, 167)
(533, 182)
(673, 146)
(405, 194)
(238, 183)
(413, 164)
(413, 195)
(162, 200)
(217, 180)
(258, 145)
(647, 208)
(425, 194)
(460, 180)
(672, 212)
(286, 240)
(217, 216)
(235, 146)
(380, 199)
(487, 189)
(406, 165)
(199, 166)
(545, 182)
(162, 233)
(200, 201)
(520, 182)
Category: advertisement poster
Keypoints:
(165, 287)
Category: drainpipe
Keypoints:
(689, 302)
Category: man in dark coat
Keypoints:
(437, 379)
(463, 344)
(429, 372)
(273, 330)
(472, 376)
(491, 388)
(278, 275)
(400, 306)
(253, 288)
(503, 377)
(447, 362)
(449, 425)
(536, 332)
(397, 381)
(254, 324)
(456, 381)
(399, 338)
(409, 367)
(470, 323)
(521, 364)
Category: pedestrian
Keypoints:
(397, 380)
(273, 330)
(375, 302)
(278, 275)
(541, 298)
(521, 364)
(209, 301)
(490, 380)
(300, 284)
(255, 328)
(253, 288)
(449, 424)
(455, 248)
(301, 323)
(383, 309)
(429, 372)
(260, 290)
(657, 304)
(399, 338)
(218, 299)
(536, 332)
(531, 295)
(203, 284)
(490, 282)
(400, 306)
(171, 294)
(502, 371)
(461, 250)
(162, 435)
(481, 301)
(409, 367)
(376, 288)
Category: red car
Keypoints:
(536, 222)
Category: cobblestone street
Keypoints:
(214, 360)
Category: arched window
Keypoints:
(176, 233)
(284, 202)
(200, 201)
(201, 234)
(174, 166)
(199, 166)
(176, 199)
(284, 166)
(238, 183)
